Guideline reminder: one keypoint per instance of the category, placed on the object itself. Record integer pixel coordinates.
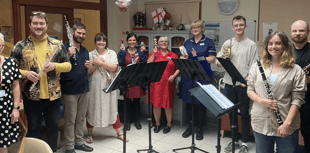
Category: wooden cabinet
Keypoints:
(176, 39)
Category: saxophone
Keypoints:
(227, 51)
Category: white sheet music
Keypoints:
(218, 97)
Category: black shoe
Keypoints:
(199, 134)
(70, 151)
(128, 126)
(187, 133)
(84, 147)
(138, 125)
(156, 128)
(167, 129)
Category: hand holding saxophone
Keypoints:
(72, 51)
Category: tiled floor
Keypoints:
(105, 140)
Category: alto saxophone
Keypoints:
(227, 51)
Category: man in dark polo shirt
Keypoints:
(299, 35)
(74, 86)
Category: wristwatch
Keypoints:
(16, 107)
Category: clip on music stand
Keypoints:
(235, 76)
(125, 77)
(213, 106)
(191, 69)
(151, 72)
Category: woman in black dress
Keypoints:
(9, 100)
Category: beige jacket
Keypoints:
(288, 89)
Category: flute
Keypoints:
(270, 95)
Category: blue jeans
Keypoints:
(34, 111)
(242, 97)
(265, 144)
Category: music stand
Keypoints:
(212, 105)
(191, 69)
(235, 76)
(123, 78)
(151, 72)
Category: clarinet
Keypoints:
(270, 95)
(70, 37)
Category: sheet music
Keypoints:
(220, 99)
(183, 51)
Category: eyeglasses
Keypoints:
(238, 25)
(39, 13)
(163, 41)
(194, 28)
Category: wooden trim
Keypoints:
(16, 21)
(64, 4)
(104, 18)
(258, 22)
(171, 2)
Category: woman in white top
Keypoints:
(102, 107)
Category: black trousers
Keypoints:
(34, 111)
(305, 125)
(199, 114)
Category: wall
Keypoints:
(285, 12)
(6, 19)
(92, 23)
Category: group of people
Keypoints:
(277, 87)
(76, 77)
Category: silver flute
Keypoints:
(70, 37)
(270, 94)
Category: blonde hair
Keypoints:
(200, 24)
(287, 57)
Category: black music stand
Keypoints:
(235, 76)
(191, 69)
(151, 72)
(125, 77)
(212, 105)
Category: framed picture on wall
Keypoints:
(78, 18)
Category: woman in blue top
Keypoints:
(198, 46)
(131, 55)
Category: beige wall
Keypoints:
(285, 12)
(6, 19)
(92, 23)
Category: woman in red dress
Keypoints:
(162, 95)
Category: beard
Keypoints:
(299, 39)
(78, 39)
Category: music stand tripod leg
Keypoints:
(150, 150)
(193, 147)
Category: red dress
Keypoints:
(162, 92)
(137, 91)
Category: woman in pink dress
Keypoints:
(162, 95)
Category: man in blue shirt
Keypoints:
(74, 86)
